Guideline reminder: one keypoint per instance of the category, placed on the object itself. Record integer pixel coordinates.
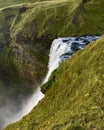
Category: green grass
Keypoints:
(54, 19)
(76, 99)
(4, 3)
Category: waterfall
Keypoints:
(61, 49)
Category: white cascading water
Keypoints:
(61, 49)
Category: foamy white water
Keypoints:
(61, 49)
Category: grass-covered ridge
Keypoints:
(76, 98)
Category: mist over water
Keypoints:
(9, 113)
(61, 49)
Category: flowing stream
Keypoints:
(61, 49)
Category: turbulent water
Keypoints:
(61, 49)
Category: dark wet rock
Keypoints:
(65, 40)
(77, 38)
(86, 42)
(75, 46)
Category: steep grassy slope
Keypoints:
(5, 3)
(19, 63)
(75, 100)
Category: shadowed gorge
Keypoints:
(27, 29)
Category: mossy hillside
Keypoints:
(23, 53)
(76, 99)
(5, 3)
(61, 18)
(25, 59)
(20, 64)
(46, 18)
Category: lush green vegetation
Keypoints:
(23, 46)
(55, 19)
(4, 3)
(26, 33)
(20, 63)
(76, 99)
